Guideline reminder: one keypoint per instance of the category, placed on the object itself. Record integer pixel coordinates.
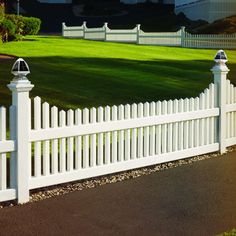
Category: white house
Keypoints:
(208, 10)
(56, 1)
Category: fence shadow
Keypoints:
(85, 82)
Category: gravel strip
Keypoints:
(48, 192)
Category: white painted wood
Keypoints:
(170, 128)
(13, 152)
(181, 127)
(134, 112)
(212, 119)
(175, 127)
(7, 146)
(93, 144)
(70, 142)
(114, 136)
(121, 135)
(146, 131)
(186, 125)
(220, 73)
(54, 124)
(202, 121)
(207, 120)
(158, 129)
(78, 141)
(140, 132)
(164, 129)
(100, 138)
(3, 161)
(20, 100)
(152, 129)
(37, 145)
(120, 125)
(7, 195)
(127, 134)
(197, 124)
(85, 157)
(136, 35)
(120, 166)
(107, 137)
(46, 144)
(191, 124)
(62, 141)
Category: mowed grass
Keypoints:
(71, 73)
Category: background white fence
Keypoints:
(136, 35)
(65, 146)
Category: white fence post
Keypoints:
(138, 26)
(84, 28)
(105, 29)
(63, 28)
(220, 71)
(20, 87)
(183, 35)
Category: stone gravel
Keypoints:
(48, 192)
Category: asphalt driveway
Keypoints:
(196, 199)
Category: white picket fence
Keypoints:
(60, 146)
(180, 38)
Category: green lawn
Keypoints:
(73, 73)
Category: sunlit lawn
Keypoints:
(74, 73)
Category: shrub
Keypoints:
(18, 21)
(2, 11)
(31, 25)
(7, 29)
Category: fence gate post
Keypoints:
(20, 87)
(220, 71)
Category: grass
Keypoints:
(71, 73)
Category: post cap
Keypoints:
(20, 69)
(221, 57)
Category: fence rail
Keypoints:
(136, 35)
(63, 146)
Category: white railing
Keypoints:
(136, 35)
(62, 146)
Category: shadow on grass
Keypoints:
(87, 82)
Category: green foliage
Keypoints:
(15, 27)
(2, 11)
(31, 25)
(7, 29)
(18, 21)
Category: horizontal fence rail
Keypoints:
(180, 38)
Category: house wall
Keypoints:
(208, 10)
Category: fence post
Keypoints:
(183, 35)
(84, 28)
(63, 29)
(20, 87)
(138, 26)
(220, 71)
(105, 29)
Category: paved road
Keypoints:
(197, 199)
